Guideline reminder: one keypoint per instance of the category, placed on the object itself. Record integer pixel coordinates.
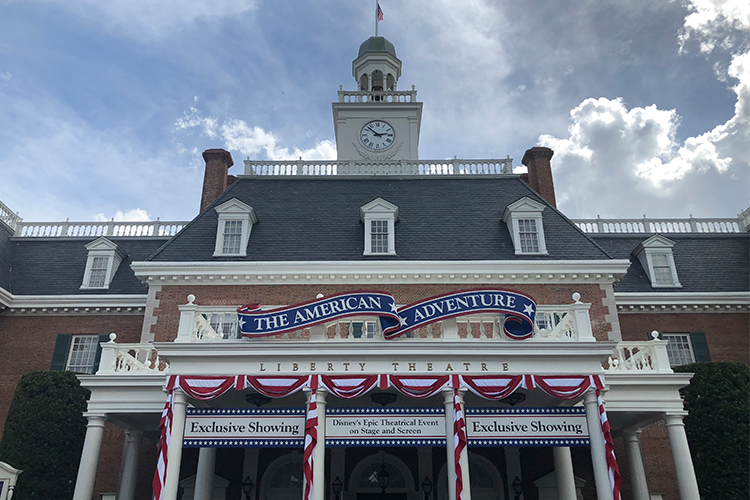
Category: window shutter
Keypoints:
(103, 337)
(60, 354)
(357, 330)
(700, 346)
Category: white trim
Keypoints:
(379, 209)
(682, 301)
(657, 245)
(6, 298)
(236, 211)
(77, 304)
(378, 271)
(104, 248)
(525, 209)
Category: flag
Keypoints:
(379, 12)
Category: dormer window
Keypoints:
(379, 217)
(103, 260)
(655, 255)
(235, 223)
(524, 221)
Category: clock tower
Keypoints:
(377, 122)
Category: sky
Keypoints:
(105, 107)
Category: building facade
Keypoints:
(507, 315)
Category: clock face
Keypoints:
(377, 135)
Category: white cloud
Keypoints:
(711, 21)
(149, 18)
(252, 141)
(133, 215)
(5, 75)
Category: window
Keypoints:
(98, 274)
(79, 353)
(232, 236)
(235, 222)
(679, 349)
(103, 260)
(528, 235)
(656, 257)
(224, 324)
(82, 353)
(524, 221)
(379, 217)
(379, 236)
(686, 348)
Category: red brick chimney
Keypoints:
(218, 162)
(540, 172)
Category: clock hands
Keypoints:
(371, 130)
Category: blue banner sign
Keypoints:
(519, 309)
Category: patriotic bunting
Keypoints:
(495, 387)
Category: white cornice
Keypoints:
(380, 271)
(636, 302)
(5, 297)
(76, 304)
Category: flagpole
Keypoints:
(376, 17)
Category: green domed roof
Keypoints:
(376, 44)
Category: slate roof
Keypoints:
(704, 262)
(318, 219)
(55, 266)
(5, 234)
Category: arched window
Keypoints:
(363, 82)
(377, 80)
(283, 479)
(364, 478)
(391, 82)
(486, 481)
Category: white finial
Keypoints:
(655, 335)
(191, 298)
(112, 337)
(341, 87)
(319, 296)
(577, 298)
(414, 87)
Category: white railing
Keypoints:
(69, 229)
(129, 358)
(8, 217)
(377, 96)
(646, 356)
(561, 322)
(646, 225)
(368, 167)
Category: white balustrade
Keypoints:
(370, 167)
(648, 356)
(112, 228)
(8, 217)
(663, 226)
(129, 358)
(377, 96)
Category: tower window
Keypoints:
(525, 225)
(379, 217)
(235, 222)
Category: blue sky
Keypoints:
(105, 107)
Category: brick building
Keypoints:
(378, 219)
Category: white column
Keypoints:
(319, 452)
(683, 463)
(129, 464)
(566, 483)
(204, 476)
(598, 453)
(635, 464)
(174, 456)
(89, 458)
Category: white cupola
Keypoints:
(376, 67)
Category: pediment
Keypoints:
(379, 206)
(526, 204)
(101, 244)
(657, 241)
(236, 207)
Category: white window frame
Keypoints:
(379, 210)
(520, 210)
(691, 350)
(89, 368)
(113, 255)
(657, 245)
(236, 211)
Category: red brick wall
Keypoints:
(170, 297)
(31, 340)
(727, 334)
